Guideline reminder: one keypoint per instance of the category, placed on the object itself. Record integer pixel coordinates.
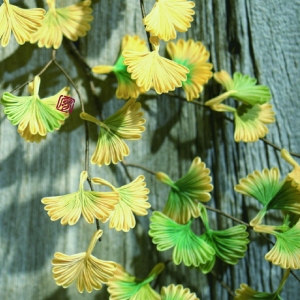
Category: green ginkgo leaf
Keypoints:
(262, 186)
(248, 92)
(126, 123)
(242, 88)
(207, 267)
(270, 192)
(189, 248)
(123, 286)
(230, 244)
(186, 192)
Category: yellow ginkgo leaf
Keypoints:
(167, 16)
(90, 204)
(22, 22)
(88, 271)
(250, 122)
(173, 292)
(150, 69)
(126, 124)
(127, 87)
(71, 21)
(194, 56)
(293, 176)
(133, 200)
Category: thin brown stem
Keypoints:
(226, 215)
(38, 74)
(144, 15)
(140, 167)
(268, 142)
(278, 148)
(224, 285)
(82, 108)
(293, 273)
(86, 164)
(126, 170)
(71, 81)
(195, 102)
(87, 69)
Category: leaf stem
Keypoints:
(283, 280)
(38, 74)
(224, 285)
(144, 15)
(140, 167)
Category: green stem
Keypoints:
(282, 282)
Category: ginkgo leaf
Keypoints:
(127, 87)
(262, 186)
(247, 293)
(177, 292)
(35, 117)
(186, 192)
(230, 244)
(270, 192)
(90, 204)
(88, 271)
(194, 56)
(167, 16)
(126, 123)
(71, 22)
(294, 176)
(123, 286)
(133, 200)
(242, 88)
(22, 22)
(150, 69)
(250, 122)
(189, 248)
(207, 267)
(286, 251)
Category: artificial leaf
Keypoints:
(126, 123)
(88, 271)
(71, 22)
(189, 248)
(194, 56)
(133, 200)
(150, 69)
(167, 16)
(90, 204)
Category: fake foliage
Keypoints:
(139, 69)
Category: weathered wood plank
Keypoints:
(259, 38)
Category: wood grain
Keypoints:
(258, 38)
